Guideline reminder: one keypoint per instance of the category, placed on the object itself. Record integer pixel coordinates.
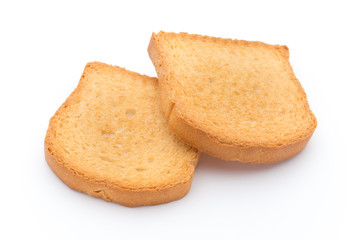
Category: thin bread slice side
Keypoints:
(233, 99)
(109, 139)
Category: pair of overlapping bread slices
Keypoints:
(136, 140)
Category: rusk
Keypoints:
(233, 99)
(109, 139)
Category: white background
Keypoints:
(43, 49)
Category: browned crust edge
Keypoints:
(126, 197)
(101, 189)
(204, 142)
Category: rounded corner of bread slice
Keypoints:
(233, 99)
(110, 140)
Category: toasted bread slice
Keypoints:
(110, 140)
(235, 100)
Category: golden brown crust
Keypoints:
(126, 197)
(204, 141)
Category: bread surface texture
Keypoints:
(233, 99)
(109, 139)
